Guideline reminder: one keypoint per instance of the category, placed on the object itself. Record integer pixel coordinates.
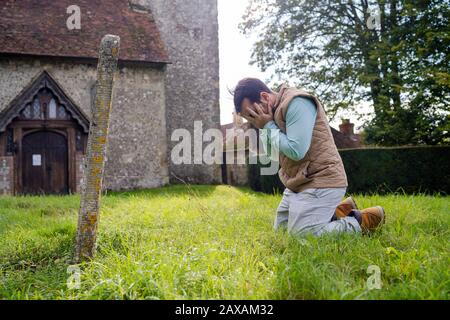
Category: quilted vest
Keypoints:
(322, 165)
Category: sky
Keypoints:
(235, 54)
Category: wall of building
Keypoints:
(236, 174)
(137, 148)
(190, 31)
(6, 175)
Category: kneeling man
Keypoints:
(311, 168)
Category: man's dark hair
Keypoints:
(250, 88)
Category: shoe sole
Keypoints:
(353, 203)
(350, 201)
(371, 231)
(382, 215)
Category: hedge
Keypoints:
(382, 170)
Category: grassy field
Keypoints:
(217, 242)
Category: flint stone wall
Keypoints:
(137, 146)
(6, 175)
(189, 30)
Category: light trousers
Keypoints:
(310, 212)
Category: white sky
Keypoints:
(235, 51)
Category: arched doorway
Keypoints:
(44, 163)
(43, 138)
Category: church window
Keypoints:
(26, 113)
(62, 113)
(36, 109)
(52, 109)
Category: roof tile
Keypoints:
(38, 27)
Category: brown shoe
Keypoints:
(345, 208)
(370, 219)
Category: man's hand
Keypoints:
(258, 117)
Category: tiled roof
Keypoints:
(38, 27)
(343, 141)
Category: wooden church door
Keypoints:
(44, 163)
(46, 134)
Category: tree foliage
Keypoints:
(393, 54)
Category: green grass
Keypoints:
(217, 242)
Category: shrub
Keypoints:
(382, 170)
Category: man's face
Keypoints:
(247, 105)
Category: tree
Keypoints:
(393, 54)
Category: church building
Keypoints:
(168, 77)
